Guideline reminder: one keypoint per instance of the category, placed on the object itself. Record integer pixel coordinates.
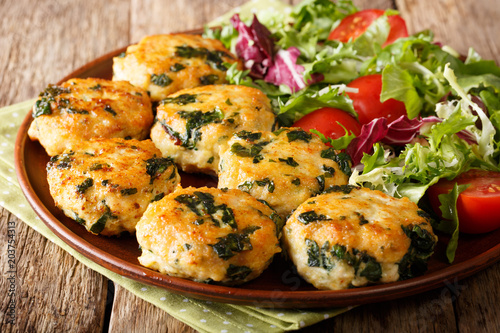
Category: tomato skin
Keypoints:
(326, 120)
(366, 101)
(477, 206)
(354, 25)
(398, 29)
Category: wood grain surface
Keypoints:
(40, 44)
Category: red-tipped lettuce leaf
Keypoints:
(402, 130)
(371, 133)
(254, 45)
(398, 133)
(285, 70)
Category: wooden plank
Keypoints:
(174, 15)
(54, 292)
(132, 314)
(477, 300)
(428, 312)
(459, 24)
(41, 48)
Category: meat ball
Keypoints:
(284, 167)
(195, 124)
(351, 237)
(80, 109)
(107, 184)
(209, 235)
(164, 64)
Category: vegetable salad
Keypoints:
(312, 58)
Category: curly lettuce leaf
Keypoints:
(339, 143)
(485, 136)
(311, 99)
(336, 62)
(419, 166)
(318, 17)
(370, 41)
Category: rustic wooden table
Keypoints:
(42, 41)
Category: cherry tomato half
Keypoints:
(354, 25)
(477, 206)
(366, 101)
(328, 121)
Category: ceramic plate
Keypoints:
(278, 286)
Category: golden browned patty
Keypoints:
(195, 124)
(209, 235)
(80, 109)
(351, 237)
(284, 168)
(164, 64)
(107, 184)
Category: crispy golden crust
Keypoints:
(279, 169)
(206, 234)
(218, 111)
(328, 235)
(80, 109)
(164, 64)
(107, 184)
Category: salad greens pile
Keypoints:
(452, 101)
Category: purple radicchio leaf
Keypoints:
(371, 133)
(467, 136)
(254, 45)
(479, 102)
(285, 70)
(398, 133)
(402, 131)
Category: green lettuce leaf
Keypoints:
(311, 99)
(450, 223)
(398, 84)
(318, 17)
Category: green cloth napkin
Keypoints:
(204, 316)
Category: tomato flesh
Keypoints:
(329, 122)
(366, 101)
(477, 206)
(354, 25)
(398, 29)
